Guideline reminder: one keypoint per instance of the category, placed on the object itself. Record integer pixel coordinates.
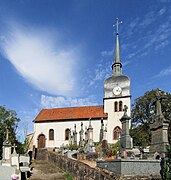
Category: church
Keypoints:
(53, 127)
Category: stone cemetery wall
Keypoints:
(81, 171)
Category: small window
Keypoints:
(120, 106)
(67, 131)
(51, 134)
(116, 106)
(116, 133)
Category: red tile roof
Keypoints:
(72, 113)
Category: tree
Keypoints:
(9, 120)
(143, 111)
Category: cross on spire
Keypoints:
(117, 25)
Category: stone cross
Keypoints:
(14, 149)
(117, 24)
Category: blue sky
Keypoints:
(56, 53)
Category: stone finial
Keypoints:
(89, 123)
(125, 109)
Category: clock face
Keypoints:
(117, 90)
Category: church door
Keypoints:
(41, 141)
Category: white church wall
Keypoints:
(59, 128)
(114, 117)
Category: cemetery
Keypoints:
(127, 163)
(13, 166)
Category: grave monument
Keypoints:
(125, 139)
(159, 130)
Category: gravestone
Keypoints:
(104, 148)
(159, 130)
(6, 159)
(90, 134)
(125, 139)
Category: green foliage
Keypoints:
(81, 150)
(8, 119)
(68, 176)
(114, 148)
(73, 147)
(143, 112)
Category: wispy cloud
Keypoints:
(148, 19)
(107, 53)
(41, 59)
(102, 71)
(162, 11)
(154, 31)
(60, 101)
(164, 72)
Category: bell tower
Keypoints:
(116, 94)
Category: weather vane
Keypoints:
(117, 24)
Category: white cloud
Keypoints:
(164, 72)
(162, 11)
(102, 71)
(41, 59)
(52, 102)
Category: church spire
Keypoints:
(117, 66)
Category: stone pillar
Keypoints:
(101, 131)
(105, 133)
(69, 138)
(159, 131)
(6, 157)
(90, 134)
(125, 140)
(86, 135)
(75, 135)
(81, 143)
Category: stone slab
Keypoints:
(131, 167)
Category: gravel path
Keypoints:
(43, 170)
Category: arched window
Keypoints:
(67, 131)
(116, 106)
(120, 106)
(51, 134)
(116, 133)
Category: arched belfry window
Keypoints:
(116, 133)
(51, 134)
(116, 106)
(67, 131)
(120, 106)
